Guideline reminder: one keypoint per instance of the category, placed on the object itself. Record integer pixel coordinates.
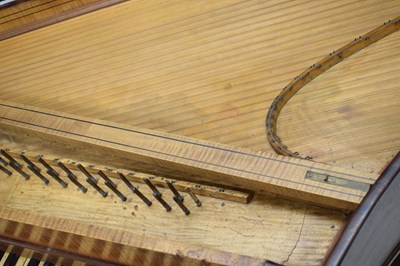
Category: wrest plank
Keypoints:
(210, 191)
(194, 159)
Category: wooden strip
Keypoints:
(200, 189)
(58, 18)
(186, 158)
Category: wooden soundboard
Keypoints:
(208, 72)
(20, 16)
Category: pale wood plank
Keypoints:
(189, 158)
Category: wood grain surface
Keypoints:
(137, 177)
(108, 246)
(262, 229)
(210, 71)
(186, 158)
(27, 12)
(387, 28)
(26, 16)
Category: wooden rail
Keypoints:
(191, 159)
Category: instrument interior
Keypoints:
(209, 70)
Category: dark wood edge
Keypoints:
(58, 18)
(340, 248)
(16, 2)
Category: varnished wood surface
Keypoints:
(356, 120)
(27, 12)
(288, 230)
(256, 229)
(187, 158)
(363, 41)
(210, 71)
(75, 240)
(26, 16)
(205, 190)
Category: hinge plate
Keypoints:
(337, 181)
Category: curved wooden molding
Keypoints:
(314, 71)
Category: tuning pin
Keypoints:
(72, 177)
(36, 170)
(4, 162)
(10, 158)
(19, 170)
(106, 178)
(193, 196)
(157, 194)
(151, 186)
(48, 167)
(174, 191)
(180, 204)
(51, 172)
(95, 186)
(116, 191)
(29, 162)
(5, 170)
(135, 190)
(14, 164)
(86, 173)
